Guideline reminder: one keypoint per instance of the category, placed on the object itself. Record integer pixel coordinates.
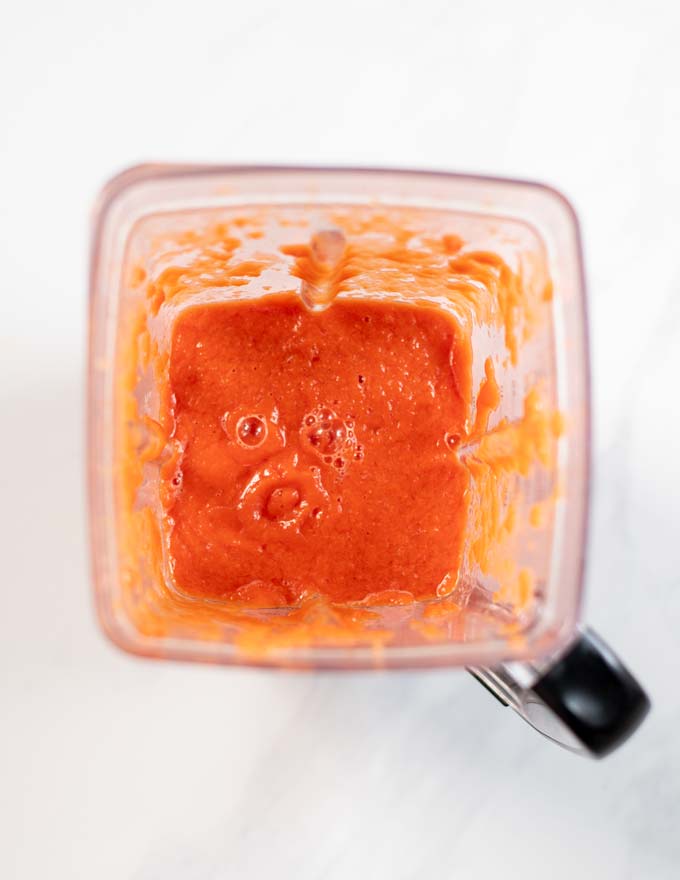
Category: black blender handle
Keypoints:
(586, 700)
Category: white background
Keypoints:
(114, 768)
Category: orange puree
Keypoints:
(318, 454)
(325, 406)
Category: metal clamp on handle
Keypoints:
(586, 701)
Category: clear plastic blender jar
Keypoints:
(512, 618)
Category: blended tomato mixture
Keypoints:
(326, 407)
(318, 451)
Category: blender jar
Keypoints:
(512, 615)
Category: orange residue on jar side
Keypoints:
(501, 457)
(488, 399)
(321, 445)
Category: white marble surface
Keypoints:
(115, 768)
